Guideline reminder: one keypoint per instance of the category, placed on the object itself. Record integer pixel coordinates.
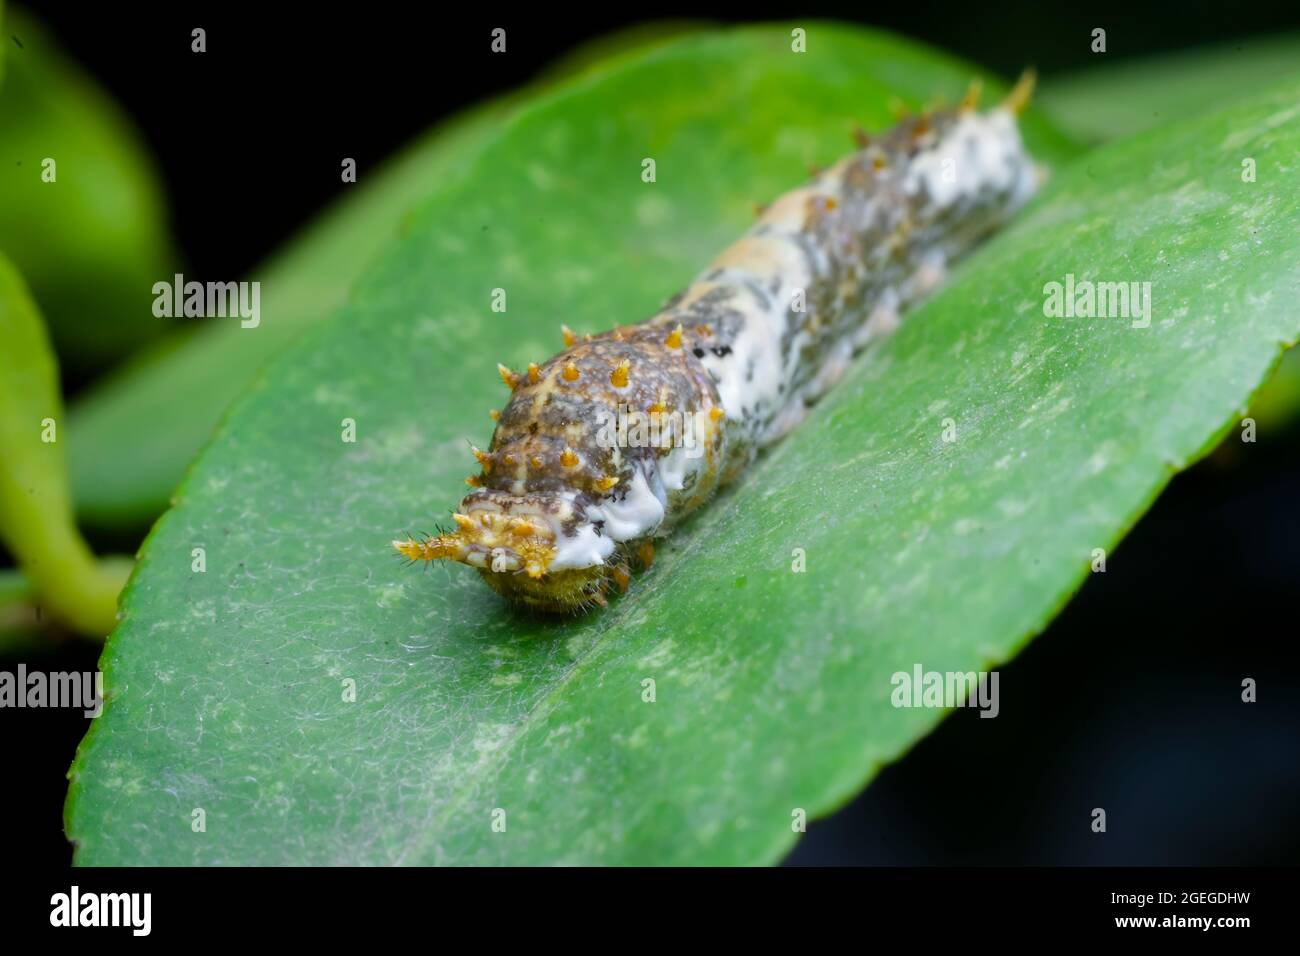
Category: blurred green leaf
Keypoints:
(17, 616)
(1128, 97)
(92, 242)
(13, 587)
(1125, 97)
(1277, 403)
(134, 435)
(35, 513)
(227, 688)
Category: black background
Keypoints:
(1130, 701)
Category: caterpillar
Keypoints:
(612, 442)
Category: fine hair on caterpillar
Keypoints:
(609, 444)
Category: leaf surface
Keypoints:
(228, 689)
(81, 209)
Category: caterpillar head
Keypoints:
(562, 490)
(555, 592)
(511, 540)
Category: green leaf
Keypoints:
(92, 242)
(35, 513)
(17, 620)
(131, 440)
(1117, 100)
(1276, 404)
(1120, 99)
(20, 631)
(226, 688)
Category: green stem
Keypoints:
(36, 522)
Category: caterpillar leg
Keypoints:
(621, 578)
